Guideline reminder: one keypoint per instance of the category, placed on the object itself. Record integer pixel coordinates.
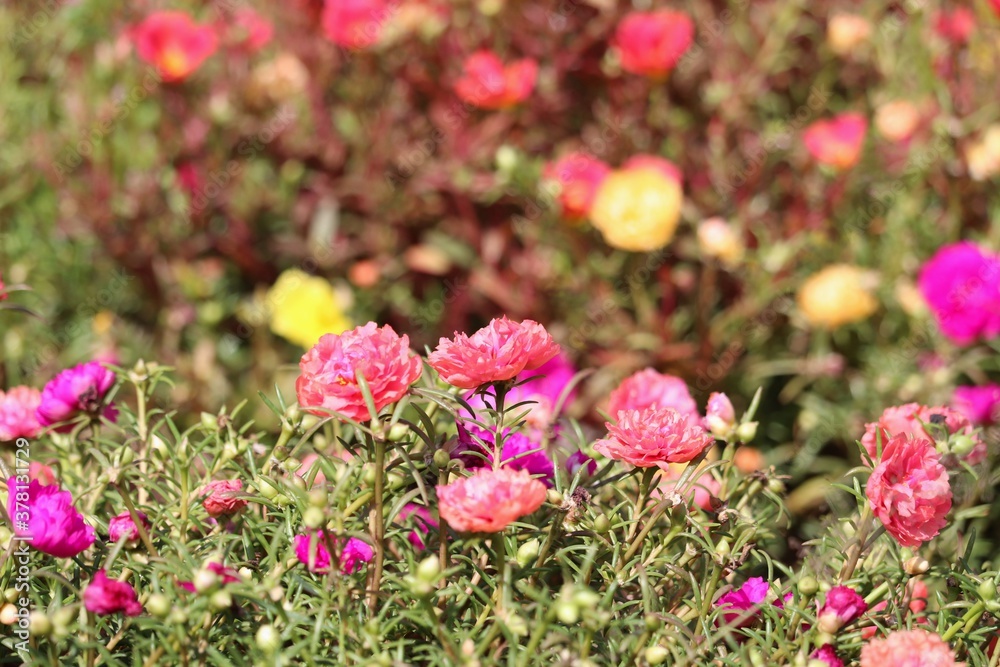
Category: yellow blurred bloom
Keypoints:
(637, 209)
(303, 307)
(983, 156)
(835, 296)
(847, 32)
(716, 238)
(102, 322)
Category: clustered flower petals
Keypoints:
(174, 43)
(104, 596)
(329, 380)
(909, 490)
(489, 84)
(75, 391)
(843, 605)
(18, 418)
(311, 550)
(578, 175)
(652, 43)
(123, 525)
(46, 516)
(649, 388)
(423, 523)
(919, 421)
(741, 605)
(837, 142)
(224, 497)
(827, 654)
(489, 500)
(518, 451)
(909, 648)
(654, 437)
(961, 284)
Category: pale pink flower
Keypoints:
(909, 490)
(122, 526)
(46, 515)
(224, 497)
(651, 389)
(329, 380)
(578, 175)
(497, 352)
(917, 420)
(17, 413)
(837, 142)
(651, 43)
(489, 500)
(654, 437)
(909, 648)
(104, 596)
(720, 417)
(489, 84)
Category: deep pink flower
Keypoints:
(122, 525)
(224, 497)
(497, 352)
(654, 437)
(355, 24)
(579, 460)
(827, 654)
(489, 500)
(311, 550)
(46, 515)
(518, 451)
(651, 43)
(489, 84)
(961, 284)
(227, 574)
(174, 43)
(422, 520)
(105, 596)
(843, 605)
(909, 490)
(911, 419)
(837, 142)
(654, 162)
(539, 389)
(747, 598)
(955, 25)
(75, 391)
(329, 380)
(3, 288)
(253, 31)
(651, 389)
(18, 417)
(909, 648)
(578, 175)
(980, 405)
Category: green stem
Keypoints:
(536, 637)
(443, 528)
(970, 616)
(713, 584)
(378, 525)
(137, 521)
(854, 552)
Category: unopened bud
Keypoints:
(987, 590)
(962, 445)
(369, 475)
(318, 498)
(209, 422)
(442, 459)
(586, 598)
(746, 432)
(177, 617)
(916, 565)
(655, 655)
(429, 569)
(313, 517)
(39, 624)
(517, 624)
(567, 612)
(158, 605)
(268, 639)
(808, 586)
(723, 548)
(720, 416)
(220, 600)
(528, 552)
(602, 524)
(554, 497)
(205, 580)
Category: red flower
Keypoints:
(578, 175)
(174, 43)
(355, 24)
(955, 25)
(489, 84)
(651, 43)
(224, 497)
(654, 437)
(489, 500)
(837, 142)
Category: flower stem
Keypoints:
(970, 616)
(377, 520)
(854, 552)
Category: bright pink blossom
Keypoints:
(224, 497)
(742, 605)
(497, 352)
(654, 437)
(843, 605)
(46, 515)
(104, 596)
(650, 389)
(980, 405)
(355, 24)
(122, 526)
(75, 391)
(539, 391)
(578, 460)
(489, 84)
(920, 421)
(961, 284)
(909, 490)
(651, 43)
(173, 43)
(330, 370)
(253, 31)
(489, 500)
(18, 417)
(421, 519)
(827, 654)
(837, 142)
(909, 648)
(955, 25)
(311, 550)
(578, 175)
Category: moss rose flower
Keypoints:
(174, 43)
(837, 142)
(654, 437)
(17, 413)
(651, 43)
(961, 284)
(329, 380)
(651, 389)
(104, 596)
(909, 648)
(311, 550)
(489, 84)
(224, 497)
(489, 500)
(909, 490)
(46, 515)
(75, 391)
(917, 420)
(122, 525)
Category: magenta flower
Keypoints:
(980, 405)
(738, 602)
(311, 550)
(539, 390)
(422, 520)
(105, 596)
(961, 284)
(843, 605)
(827, 654)
(518, 452)
(75, 391)
(17, 413)
(579, 460)
(46, 515)
(122, 526)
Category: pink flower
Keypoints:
(489, 84)
(497, 352)
(837, 142)
(46, 515)
(173, 43)
(910, 419)
(311, 550)
(980, 405)
(489, 500)
(75, 391)
(17, 413)
(909, 490)
(518, 452)
(720, 417)
(355, 24)
(579, 460)
(654, 437)
(651, 43)
(254, 32)
(738, 602)
(105, 596)
(423, 522)
(227, 574)
(224, 497)
(578, 175)
(654, 162)
(651, 389)
(843, 605)
(909, 648)
(827, 654)
(122, 526)
(3, 288)
(961, 284)
(955, 25)
(329, 380)
(43, 473)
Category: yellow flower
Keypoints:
(983, 156)
(302, 308)
(637, 209)
(835, 296)
(716, 238)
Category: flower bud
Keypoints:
(916, 565)
(987, 590)
(266, 487)
(39, 624)
(719, 415)
(205, 580)
(220, 600)
(209, 422)
(746, 432)
(723, 548)
(268, 639)
(962, 445)
(429, 569)
(528, 552)
(177, 617)
(567, 612)
(847, 32)
(602, 524)
(516, 624)
(441, 459)
(655, 655)
(62, 618)
(397, 432)
(158, 605)
(313, 517)
(652, 622)
(843, 605)
(585, 598)
(318, 498)
(419, 587)
(10, 595)
(369, 475)
(808, 586)
(554, 497)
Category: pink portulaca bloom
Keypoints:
(652, 43)
(46, 515)
(105, 596)
(251, 30)
(909, 490)
(922, 422)
(578, 175)
(955, 25)
(655, 163)
(651, 389)
(980, 405)
(173, 43)
(421, 519)
(961, 284)
(312, 551)
(75, 391)
(489, 500)
(518, 452)
(837, 142)
(122, 526)
(18, 418)
(489, 84)
(720, 417)
(224, 497)
(843, 605)
(355, 24)
(330, 370)
(226, 575)
(741, 606)
(497, 352)
(827, 654)
(909, 648)
(654, 437)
